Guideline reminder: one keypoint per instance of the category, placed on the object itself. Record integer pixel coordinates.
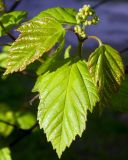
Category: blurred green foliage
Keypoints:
(5, 154)
(8, 20)
(7, 115)
(1, 6)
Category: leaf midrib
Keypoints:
(68, 82)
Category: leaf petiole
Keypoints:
(97, 39)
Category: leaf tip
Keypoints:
(6, 72)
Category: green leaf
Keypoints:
(66, 94)
(62, 15)
(36, 38)
(119, 100)
(5, 154)
(3, 60)
(67, 52)
(44, 67)
(25, 120)
(107, 70)
(7, 115)
(4, 56)
(8, 20)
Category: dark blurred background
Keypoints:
(106, 135)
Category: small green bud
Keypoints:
(86, 23)
(83, 16)
(83, 35)
(80, 10)
(79, 14)
(75, 28)
(86, 14)
(89, 23)
(87, 8)
(79, 31)
(90, 13)
(93, 21)
(78, 21)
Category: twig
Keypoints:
(15, 4)
(80, 49)
(21, 137)
(8, 33)
(10, 124)
(96, 38)
(33, 99)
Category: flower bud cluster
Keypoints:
(79, 31)
(87, 16)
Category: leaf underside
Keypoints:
(36, 38)
(65, 96)
(107, 70)
(62, 15)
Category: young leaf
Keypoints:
(65, 96)
(5, 154)
(44, 67)
(4, 56)
(107, 70)
(36, 38)
(8, 20)
(67, 52)
(62, 15)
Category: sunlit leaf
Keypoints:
(4, 56)
(8, 20)
(107, 70)
(44, 67)
(66, 94)
(5, 154)
(36, 38)
(67, 52)
(63, 15)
